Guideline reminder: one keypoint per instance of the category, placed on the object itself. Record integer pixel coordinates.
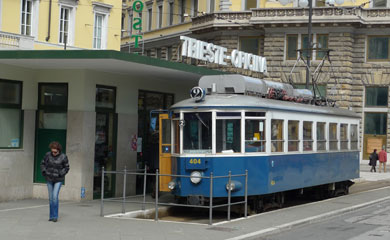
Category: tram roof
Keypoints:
(235, 101)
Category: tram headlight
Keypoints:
(172, 185)
(234, 186)
(196, 177)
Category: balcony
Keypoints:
(11, 41)
(224, 19)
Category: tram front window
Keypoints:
(197, 133)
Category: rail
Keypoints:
(156, 203)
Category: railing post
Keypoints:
(246, 194)
(102, 194)
(156, 203)
(211, 200)
(143, 203)
(124, 191)
(229, 194)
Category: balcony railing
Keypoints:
(15, 41)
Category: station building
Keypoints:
(357, 33)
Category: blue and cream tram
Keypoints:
(284, 145)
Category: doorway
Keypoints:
(105, 141)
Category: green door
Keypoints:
(43, 139)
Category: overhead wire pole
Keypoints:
(309, 47)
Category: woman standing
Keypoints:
(373, 160)
(54, 167)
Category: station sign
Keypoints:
(212, 53)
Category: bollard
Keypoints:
(211, 200)
(229, 194)
(156, 203)
(143, 203)
(124, 191)
(102, 194)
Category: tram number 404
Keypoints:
(195, 161)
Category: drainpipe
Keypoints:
(48, 28)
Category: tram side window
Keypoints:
(354, 136)
(321, 140)
(343, 136)
(176, 136)
(293, 136)
(197, 133)
(277, 141)
(228, 135)
(333, 136)
(254, 135)
(307, 136)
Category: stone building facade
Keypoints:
(356, 77)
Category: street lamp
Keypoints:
(305, 3)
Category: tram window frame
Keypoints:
(255, 142)
(223, 116)
(344, 136)
(279, 140)
(354, 138)
(321, 142)
(201, 146)
(175, 140)
(293, 141)
(333, 142)
(307, 139)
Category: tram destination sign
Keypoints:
(212, 53)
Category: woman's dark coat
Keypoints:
(54, 168)
(373, 159)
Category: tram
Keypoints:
(231, 123)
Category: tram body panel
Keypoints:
(268, 174)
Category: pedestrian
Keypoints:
(373, 159)
(382, 159)
(54, 167)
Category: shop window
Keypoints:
(255, 135)
(354, 136)
(321, 139)
(292, 47)
(377, 48)
(10, 114)
(105, 97)
(250, 45)
(375, 123)
(277, 140)
(307, 136)
(197, 133)
(343, 136)
(333, 139)
(376, 96)
(169, 53)
(250, 4)
(53, 95)
(293, 136)
(228, 133)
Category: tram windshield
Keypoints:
(197, 132)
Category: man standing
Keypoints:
(382, 159)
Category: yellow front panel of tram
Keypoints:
(165, 162)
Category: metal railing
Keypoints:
(156, 203)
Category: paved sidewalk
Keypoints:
(366, 175)
(28, 219)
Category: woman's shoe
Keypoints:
(54, 220)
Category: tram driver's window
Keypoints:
(197, 132)
(307, 136)
(277, 135)
(228, 134)
(293, 136)
(254, 135)
(333, 140)
(343, 136)
(321, 140)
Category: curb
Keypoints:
(309, 220)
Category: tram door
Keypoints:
(165, 164)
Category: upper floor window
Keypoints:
(250, 45)
(194, 8)
(211, 6)
(10, 114)
(250, 4)
(182, 10)
(160, 14)
(294, 42)
(26, 21)
(98, 31)
(64, 25)
(379, 3)
(378, 48)
(376, 96)
(102, 11)
(150, 19)
(171, 12)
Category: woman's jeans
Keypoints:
(54, 190)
